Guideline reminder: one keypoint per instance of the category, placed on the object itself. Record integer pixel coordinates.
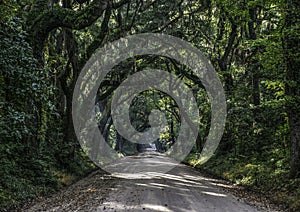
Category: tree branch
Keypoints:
(50, 19)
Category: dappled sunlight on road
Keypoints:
(214, 194)
(181, 189)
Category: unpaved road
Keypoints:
(182, 189)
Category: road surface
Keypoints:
(182, 189)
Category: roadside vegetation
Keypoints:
(253, 45)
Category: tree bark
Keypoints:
(291, 45)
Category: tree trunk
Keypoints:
(199, 143)
(291, 45)
(253, 66)
(119, 144)
(224, 61)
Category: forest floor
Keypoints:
(181, 189)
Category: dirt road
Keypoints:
(182, 189)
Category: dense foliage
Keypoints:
(24, 108)
(253, 44)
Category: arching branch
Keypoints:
(48, 19)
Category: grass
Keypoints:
(266, 176)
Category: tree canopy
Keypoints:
(253, 45)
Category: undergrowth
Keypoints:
(20, 182)
(269, 176)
